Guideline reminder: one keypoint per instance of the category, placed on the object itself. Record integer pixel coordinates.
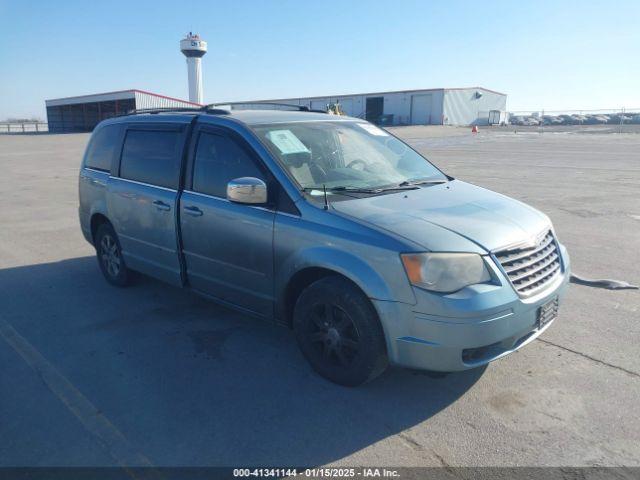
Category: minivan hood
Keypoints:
(487, 219)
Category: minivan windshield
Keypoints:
(345, 155)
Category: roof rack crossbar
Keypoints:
(153, 111)
(215, 108)
(300, 108)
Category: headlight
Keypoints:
(445, 272)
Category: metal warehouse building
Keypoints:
(83, 113)
(436, 106)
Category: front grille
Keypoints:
(531, 269)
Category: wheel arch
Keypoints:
(322, 263)
(97, 219)
(297, 284)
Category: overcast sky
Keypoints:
(543, 54)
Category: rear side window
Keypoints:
(220, 159)
(104, 145)
(152, 157)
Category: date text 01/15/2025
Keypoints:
(316, 472)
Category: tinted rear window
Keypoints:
(151, 157)
(104, 145)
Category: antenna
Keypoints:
(326, 203)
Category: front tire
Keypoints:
(339, 333)
(109, 256)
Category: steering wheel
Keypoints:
(357, 161)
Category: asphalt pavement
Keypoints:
(153, 375)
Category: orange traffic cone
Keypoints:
(474, 129)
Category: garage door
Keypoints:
(374, 109)
(346, 104)
(421, 109)
(319, 105)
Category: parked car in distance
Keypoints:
(528, 121)
(620, 118)
(596, 119)
(326, 224)
(568, 119)
(551, 120)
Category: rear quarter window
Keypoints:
(152, 157)
(103, 147)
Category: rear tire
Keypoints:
(109, 256)
(339, 333)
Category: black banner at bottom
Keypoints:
(214, 473)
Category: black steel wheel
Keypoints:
(339, 333)
(109, 256)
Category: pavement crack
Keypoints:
(446, 466)
(415, 445)
(409, 440)
(593, 359)
(443, 462)
(550, 415)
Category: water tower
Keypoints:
(194, 49)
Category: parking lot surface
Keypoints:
(153, 375)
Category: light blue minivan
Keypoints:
(327, 224)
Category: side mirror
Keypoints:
(247, 190)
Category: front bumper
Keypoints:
(466, 329)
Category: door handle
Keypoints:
(160, 205)
(193, 211)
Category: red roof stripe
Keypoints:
(168, 98)
(131, 90)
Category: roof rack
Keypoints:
(153, 111)
(300, 108)
(215, 108)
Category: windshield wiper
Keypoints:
(425, 181)
(346, 189)
(400, 186)
(353, 189)
(408, 185)
(343, 188)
